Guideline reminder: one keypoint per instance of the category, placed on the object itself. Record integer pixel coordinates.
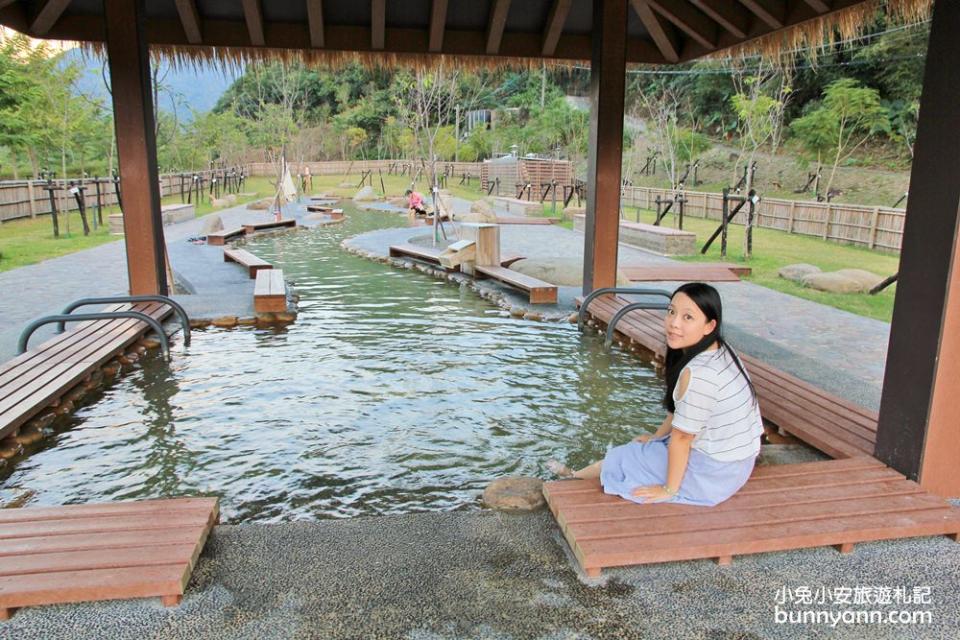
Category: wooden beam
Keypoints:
(315, 20)
(253, 14)
(729, 15)
(689, 20)
(378, 23)
(495, 25)
(918, 432)
(772, 12)
(438, 21)
(47, 16)
(605, 144)
(661, 34)
(554, 27)
(133, 118)
(819, 5)
(190, 19)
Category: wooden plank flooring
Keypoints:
(33, 380)
(835, 502)
(683, 273)
(821, 419)
(52, 555)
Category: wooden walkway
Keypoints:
(52, 555)
(685, 273)
(823, 420)
(795, 506)
(32, 381)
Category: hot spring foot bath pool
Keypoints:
(392, 393)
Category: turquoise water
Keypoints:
(392, 393)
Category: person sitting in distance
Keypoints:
(415, 202)
(704, 451)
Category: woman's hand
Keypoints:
(652, 493)
(643, 437)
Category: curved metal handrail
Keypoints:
(624, 311)
(179, 310)
(605, 290)
(106, 315)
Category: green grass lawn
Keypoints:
(775, 249)
(28, 241)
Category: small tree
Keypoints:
(846, 118)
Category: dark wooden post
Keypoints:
(919, 429)
(136, 145)
(607, 85)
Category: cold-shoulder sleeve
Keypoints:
(697, 404)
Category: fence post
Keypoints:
(31, 196)
(873, 227)
(704, 203)
(793, 208)
(826, 224)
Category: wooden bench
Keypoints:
(221, 238)
(793, 506)
(30, 382)
(53, 555)
(432, 255)
(540, 292)
(270, 291)
(685, 272)
(246, 259)
(268, 226)
(823, 420)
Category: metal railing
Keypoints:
(614, 290)
(179, 310)
(106, 315)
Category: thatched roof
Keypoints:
(465, 33)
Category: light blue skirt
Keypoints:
(707, 482)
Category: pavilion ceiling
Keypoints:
(474, 32)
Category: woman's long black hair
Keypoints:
(708, 300)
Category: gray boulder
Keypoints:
(797, 272)
(833, 283)
(211, 224)
(515, 493)
(867, 279)
(366, 194)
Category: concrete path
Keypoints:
(44, 288)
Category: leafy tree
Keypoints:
(847, 117)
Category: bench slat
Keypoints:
(97, 559)
(158, 507)
(99, 524)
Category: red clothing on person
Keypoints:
(415, 201)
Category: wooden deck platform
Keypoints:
(53, 555)
(685, 273)
(837, 427)
(795, 506)
(30, 382)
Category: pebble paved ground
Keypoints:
(438, 576)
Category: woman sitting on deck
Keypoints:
(705, 449)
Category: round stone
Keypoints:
(797, 272)
(515, 493)
(225, 322)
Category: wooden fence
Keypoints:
(871, 227)
(347, 167)
(30, 198)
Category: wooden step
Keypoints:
(540, 292)
(246, 259)
(270, 292)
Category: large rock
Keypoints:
(480, 211)
(561, 271)
(260, 205)
(867, 279)
(832, 283)
(366, 194)
(797, 272)
(515, 493)
(211, 224)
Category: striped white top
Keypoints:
(719, 408)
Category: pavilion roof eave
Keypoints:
(225, 41)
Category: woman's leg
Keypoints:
(592, 471)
